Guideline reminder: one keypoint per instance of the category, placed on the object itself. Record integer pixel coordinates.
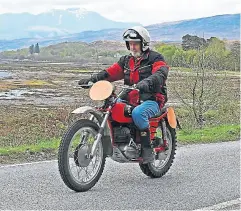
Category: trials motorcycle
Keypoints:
(109, 131)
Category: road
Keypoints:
(201, 176)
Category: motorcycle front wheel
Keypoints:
(78, 170)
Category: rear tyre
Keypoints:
(160, 166)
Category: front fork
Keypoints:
(100, 134)
(86, 133)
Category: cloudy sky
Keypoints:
(142, 11)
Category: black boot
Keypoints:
(147, 151)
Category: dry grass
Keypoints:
(6, 85)
(29, 125)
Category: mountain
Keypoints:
(221, 26)
(54, 23)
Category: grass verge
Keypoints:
(42, 146)
(210, 134)
(205, 135)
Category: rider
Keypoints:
(148, 70)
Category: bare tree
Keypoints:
(199, 90)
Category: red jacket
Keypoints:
(151, 68)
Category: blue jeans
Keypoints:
(142, 113)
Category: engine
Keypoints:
(122, 134)
(126, 145)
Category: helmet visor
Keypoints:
(131, 34)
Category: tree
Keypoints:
(217, 54)
(168, 52)
(31, 49)
(36, 48)
(178, 59)
(235, 55)
(211, 39)
(192, 42)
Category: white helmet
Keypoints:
(137, 33)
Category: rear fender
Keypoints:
(172, 118)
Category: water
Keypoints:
(5, 74)
(14, 94)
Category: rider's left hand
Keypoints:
(143, 86)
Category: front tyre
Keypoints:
(160, 166)
(78, 171)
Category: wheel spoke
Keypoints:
(87, 173)
(93, 165)
(78, 172)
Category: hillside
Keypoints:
(221, 26)
(81, 52)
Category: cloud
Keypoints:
(157, 11)
(145, 12)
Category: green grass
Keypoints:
(44, 145)
(205, 135)
(210, 134)
(78, 71)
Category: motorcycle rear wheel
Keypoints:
(156, 171)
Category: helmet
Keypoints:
(137, 33)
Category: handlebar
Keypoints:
(90, 84)
(133, 87)
(124, 89)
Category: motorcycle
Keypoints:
(109, 131)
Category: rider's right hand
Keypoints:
(84, 82)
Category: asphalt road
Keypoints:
(201, 176)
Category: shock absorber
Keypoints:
(164, 133)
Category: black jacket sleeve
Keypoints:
(112, 73)
(159, 75)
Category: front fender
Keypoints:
(90, 110)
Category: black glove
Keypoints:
(103, 75)
(143, 86)
(94, 78)
(83, 82)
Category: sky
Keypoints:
(141, 11)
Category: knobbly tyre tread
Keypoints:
(147, 168)
(62, 161)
